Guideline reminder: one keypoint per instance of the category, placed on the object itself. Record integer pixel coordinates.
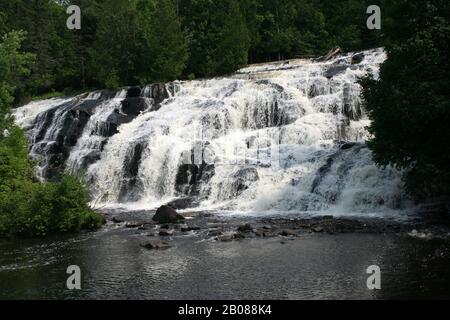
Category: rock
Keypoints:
(134, 224)
(259, 233)
(225, 238)
(117, 220)
(186, 228)
(238, 236)
(131, 189)
(317, 229)
(166, 214)
(288, 233)
(183, 203)
(334, 70)
(244, 177)
(166, 233)
(191, 177)
(358, 58)
(214, 233)
(155, 245)
(348, 145)
(245, 228)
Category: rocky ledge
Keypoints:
(160, 229)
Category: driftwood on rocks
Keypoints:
(333, 53)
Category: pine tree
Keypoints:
(164, 43)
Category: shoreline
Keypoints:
(211, 257)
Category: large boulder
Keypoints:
(166, 214)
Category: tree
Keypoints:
(13, 65)
(410, 104)
(114, 57)
(219, 39)
(279, 37)
(163, 43)
(233, 41)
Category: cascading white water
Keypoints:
(272, 138)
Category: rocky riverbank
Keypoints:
(211, 255)
(220, 227)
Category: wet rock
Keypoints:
(166, 233)
(244, 177)
(191, 177)
(245, 228)
(131, 189)
(348, 145)
(358, 58)
(158, 92)
(187, 228)
(238, 236)
(166, 214)
(352, 104)
(214, 233)
(117, 220)
(226, 238)
(155, 245)
(288, 233)
(133, 92)
(259, 233)
(183, 203)
(317, 229)
(134, 224)
(335, 70)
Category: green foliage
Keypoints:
(165, 46)
(13, 65)
(410, 104)
(131, 42)
(38, 209)
(29, 208)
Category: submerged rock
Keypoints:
(155, 245)
(226, 238)
(134, 224)
(166, 214)
(245, 228)
(117, 220)
(288, 233)
(166, 233)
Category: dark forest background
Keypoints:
(135, 42)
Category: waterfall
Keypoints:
(275, 137)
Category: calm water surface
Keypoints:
(315, 266)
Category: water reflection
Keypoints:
(114, 266)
